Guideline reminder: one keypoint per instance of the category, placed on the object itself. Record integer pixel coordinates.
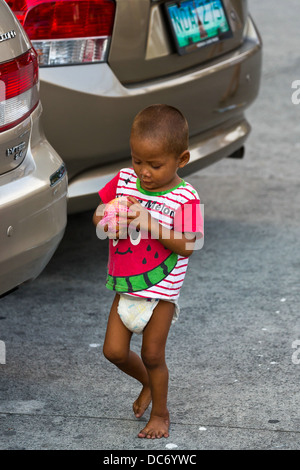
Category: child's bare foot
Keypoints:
(142, 402)
(157, 427)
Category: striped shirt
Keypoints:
(177, 209)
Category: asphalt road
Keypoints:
(234, 354)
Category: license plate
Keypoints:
(197, 23)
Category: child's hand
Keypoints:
(120, 229)
(112, 229)
(137, 217)
(117, 232)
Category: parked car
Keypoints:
(33, 182)
(102, 61)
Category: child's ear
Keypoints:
(183, 159)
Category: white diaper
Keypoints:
(135, 312)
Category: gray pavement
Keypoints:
(233, 354)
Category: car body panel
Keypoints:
(33, 211)
(33, 214)
(229, 138)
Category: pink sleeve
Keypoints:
(188, 218)
(110, 189)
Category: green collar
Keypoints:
(158, 193)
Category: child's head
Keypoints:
(159, 146)
(163, 124)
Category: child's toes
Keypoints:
(143, 433)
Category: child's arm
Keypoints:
(98, 214)
(107, 193)
(174, 241)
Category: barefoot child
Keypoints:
(148, 258)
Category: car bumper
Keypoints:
(33, 213)
(210, 147)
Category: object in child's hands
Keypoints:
(111, 209)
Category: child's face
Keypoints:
(156, 169)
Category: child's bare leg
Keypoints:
(116, 349)
(142, 402)
(153, 355)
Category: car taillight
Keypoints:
(19, 94)
(67, 31)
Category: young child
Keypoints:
(147, 264)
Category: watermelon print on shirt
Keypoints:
(143, 266)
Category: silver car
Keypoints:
(102, 61)
(33, 182)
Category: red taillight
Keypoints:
(18, 89)
(73, 31)
(19, 74)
